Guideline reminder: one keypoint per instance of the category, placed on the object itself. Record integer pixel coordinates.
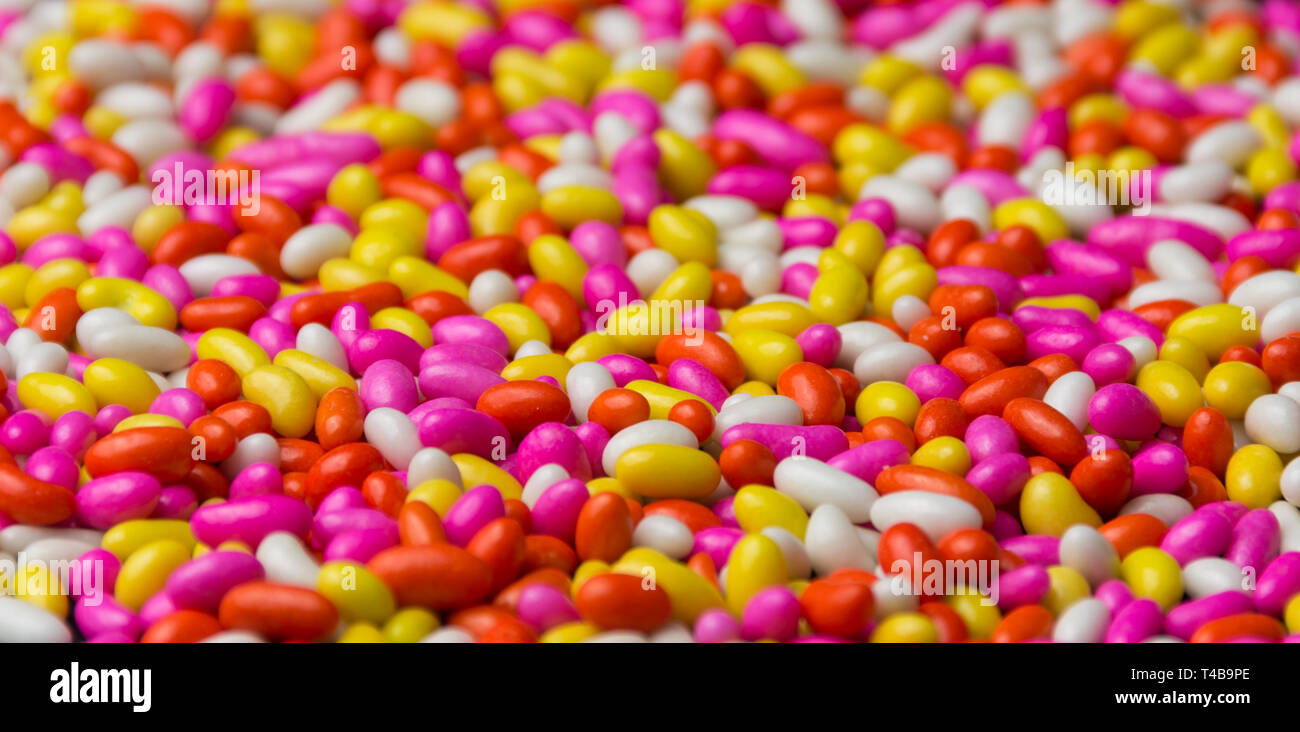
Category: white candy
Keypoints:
(1085, 550)
(23, 622)
(286, 561)
(665, 535)
(328, 102)
(933, 513)
(1167, 507)
(649, 432)
(916, 207)
(1196, 292)
(725, 212)
(393, 434)
(1173, 260)
(766, 409)
(812, 484)
(256, 448)
(1207, 180)
(23, 184)
(311, 246)
(433, 102)
(1274, 420)
(1265, 291)
(1006, 119)
(1085, 621)
(430, 463)
(1232, 142)
(203, 272)
(797, 563)
(541, 479)
(1210, 576)
(1070, 395)
(146, 140)
(320, 342)
(119, 209)
(831, 541)
(490, 288)
(890, 362)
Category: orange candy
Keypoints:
(278, 611)
(437, 576)
(623, 601)
(816, 392)
(604, 529)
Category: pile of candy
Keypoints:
(712, 320)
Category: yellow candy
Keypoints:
(863, 243)
(758, 507)
(1085, 305)
(284, 394)
(554, 259)
(405, 322)
(787, 318)
(1153, 574)
(13, 285)
(945, 453)
(655, 82)
(320, 375)
(768, 66)
(755, 388)
(1254, 476)
(575, 632)
(1167, 47)
(756, 562)
(286, 42)
(474, 470)
(918, 279)
(34, 222)
(906, 627)
(1065, 587)
(147, 420)
(396, 213)
(345, 274)
(1231, 386)
(143, 303)
(153, 222)
(409, 625)
(689, 593)
(1216, 328)
(684, 169)
(766, 353)
(1292, 615)
(569, 206)
(689, 285)
(353, 189)
(1187, 354)
(54, 394)
(362, 633)
(925, 99)
(236, 349)
(1173, 389)
(1270, 168)
(663, 398)
(52, 275)
(415, 275)
(36, 584)
(1098, 107)
(840, 293)
(114, 381)
(529, 368)
(438, 494)
(520, 324)
(125, 538)
(1138, 17)
(592, 346)
(888, 72)
(864, 143)
(355, 591)
(887, 399)
(1035, 214)
(378, 246)
(145, 571)
(987, 82)
(975, 610)
(667, 471)
(686, 234)
(1050, 504)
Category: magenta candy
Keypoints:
(1199, 534)
(867, 460)
(1109, 363)
(1072, 341)
(461, 380)
(258, 479)
(329, 524)
(175, 502)
(359, 545)
(53, 465)
(389, 383)
(1114, 594)
(716, 625)
(625, 369)
(468, 353)
(383, 344)
(717, 542)
(25, 432)
(1278, 583)
(1035, 549)
(1182, 621)
(988, 435)
(1137, 621)
(183, 404)
(100, 616)
(1000, 477)
(594, 439)
(109, 500)
(556, 511)
(1158, 468)
(472, 511)
(1256, 540)
(1025, 585)
(1124, 412)
(552, 442)
(771, 613)
(464, 430)
(817, 441)
(932, 381)
(473, 330)
(543, 607)
(249, 520)
(820, 343)
(692, 376)
(200, 583)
